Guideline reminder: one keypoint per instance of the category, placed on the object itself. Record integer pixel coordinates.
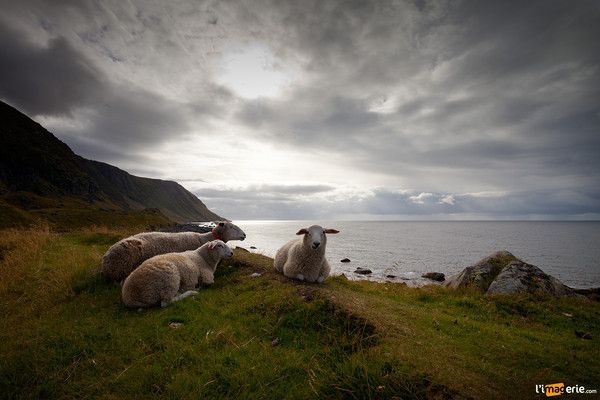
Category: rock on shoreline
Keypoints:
(503, 273)
(434, 276)
(362, 271)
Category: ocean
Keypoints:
(570, 251)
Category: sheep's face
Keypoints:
(227, 231)
(315, 236)
(220, 249)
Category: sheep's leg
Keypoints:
(206, 277)
(180, 296)
(324, 273)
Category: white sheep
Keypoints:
(304, 259)
(170, 277)
(127, 254)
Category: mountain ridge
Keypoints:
(38, 168)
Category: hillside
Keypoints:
(65, 334)
(38, 171)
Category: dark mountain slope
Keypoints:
(37, 168)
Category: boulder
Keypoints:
(434, 276)
(481, 275)
(520, 277)
(503, 273)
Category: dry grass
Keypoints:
(20, 252)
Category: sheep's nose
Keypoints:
(316, 244)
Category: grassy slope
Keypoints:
(24, 209)
(66, 335)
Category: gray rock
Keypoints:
(434, 276)
(481, 275)
(520, 277)
(363, 271)
(503, 273)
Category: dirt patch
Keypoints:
(306, 293)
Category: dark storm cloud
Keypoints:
(508, 87)
(113, 119)
(51, 79)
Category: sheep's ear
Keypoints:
(302, 231)
(211, 246)
(329, 230)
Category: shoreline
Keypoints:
(592, 292)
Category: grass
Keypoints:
(65, 334)
(65, 214)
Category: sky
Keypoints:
(324, 109)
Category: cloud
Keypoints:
(98, 117)
(466, 96)
(265, 192)
(51, 79)
(381, 203)
(481, 108)
(421, 198)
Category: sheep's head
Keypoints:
(220, 249)
(315, 236)
(227, 231)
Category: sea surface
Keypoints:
(569, 251)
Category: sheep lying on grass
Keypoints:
(304, 259)
(127, 254)
(170, 277)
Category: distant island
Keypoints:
(41, 178)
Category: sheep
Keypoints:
(304, 259)
(127, 254)
(167, 278)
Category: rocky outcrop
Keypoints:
(520, 277)
(34, 164)
(481, 275)
(503, 273)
